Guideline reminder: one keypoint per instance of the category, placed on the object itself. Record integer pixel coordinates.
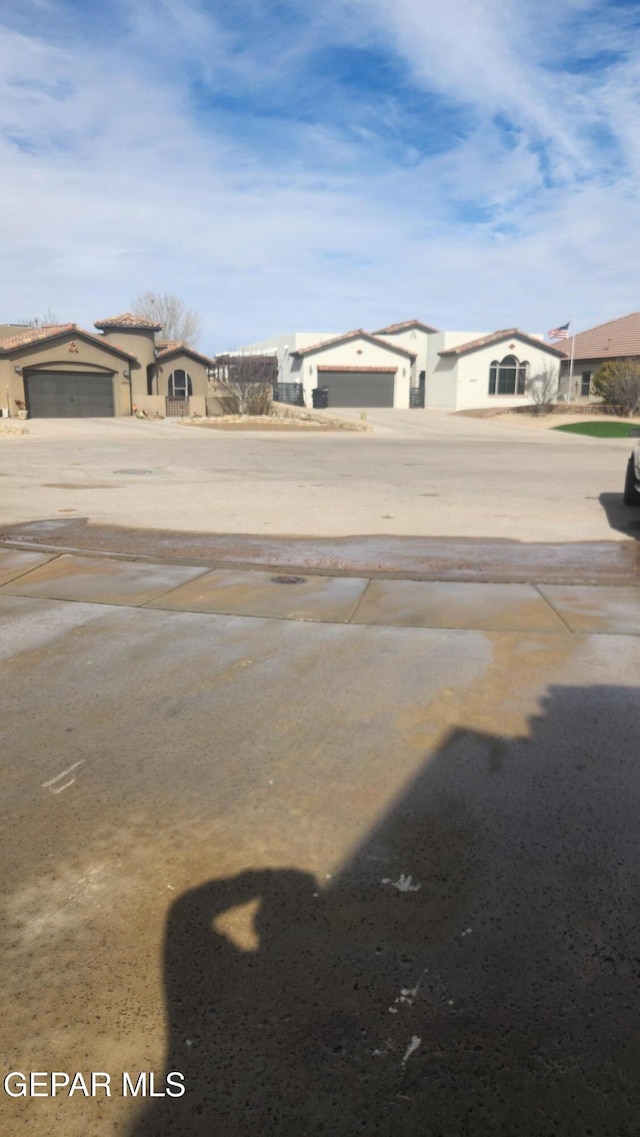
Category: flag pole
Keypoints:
(573, 342)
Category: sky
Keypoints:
(282, 165)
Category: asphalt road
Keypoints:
(420, 474)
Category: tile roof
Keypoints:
(176, 347)
(616, 339)
(391, 328)
(359, 333)
(36, 335)
(128, 320)
(32, 335)
(496, 337)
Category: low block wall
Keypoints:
(156, 405)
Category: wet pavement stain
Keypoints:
(100, 581)
(396, 557)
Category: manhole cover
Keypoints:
(133, 471)
(288, 579)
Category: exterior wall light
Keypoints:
(18, 369)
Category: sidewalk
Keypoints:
(548, 608)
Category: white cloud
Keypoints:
(113, 183)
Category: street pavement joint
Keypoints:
(358, 600)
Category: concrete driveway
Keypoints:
(364, 863)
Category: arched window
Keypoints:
(509, 377)
(180, 385)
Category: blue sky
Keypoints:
(282, 165)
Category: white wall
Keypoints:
(462, 382)
(442, 375)
(473, 374)
(414, 340)
(282, 347)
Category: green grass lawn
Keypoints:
(600, 428)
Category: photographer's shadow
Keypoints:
(266, 1038)
(472, 969)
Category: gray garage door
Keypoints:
(67, 394)
(358, 388)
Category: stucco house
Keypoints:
(411, 364)
(487, 370)
(63, 371)
(357, 368)
(617, 339)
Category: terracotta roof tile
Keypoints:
(496, 337)
(404, 326)
(32, 335)
(36, 335)
(358, 333)
(178, 346)
(128, 320)
(617, 339)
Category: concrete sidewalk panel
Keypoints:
(437, 604)
(15, 563)
(588, 609)
(276, 595)
(101, 581)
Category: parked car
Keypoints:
(631, 494)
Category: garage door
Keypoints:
(358, 388)
(68, 394)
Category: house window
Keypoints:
(585, 386)
(180, 385)
(508, 377)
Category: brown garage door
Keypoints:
(358, 388)
(69, 394)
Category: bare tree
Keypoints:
(618, 384)
(178, 322)
(543, 388)
(45, 321)
(246, 381)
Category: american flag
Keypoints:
(561, 333)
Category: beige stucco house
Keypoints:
(63, 371)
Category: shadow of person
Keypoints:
(471, 971)
(279, 1040)
(232, 1012)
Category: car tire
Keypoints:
(631, 495)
